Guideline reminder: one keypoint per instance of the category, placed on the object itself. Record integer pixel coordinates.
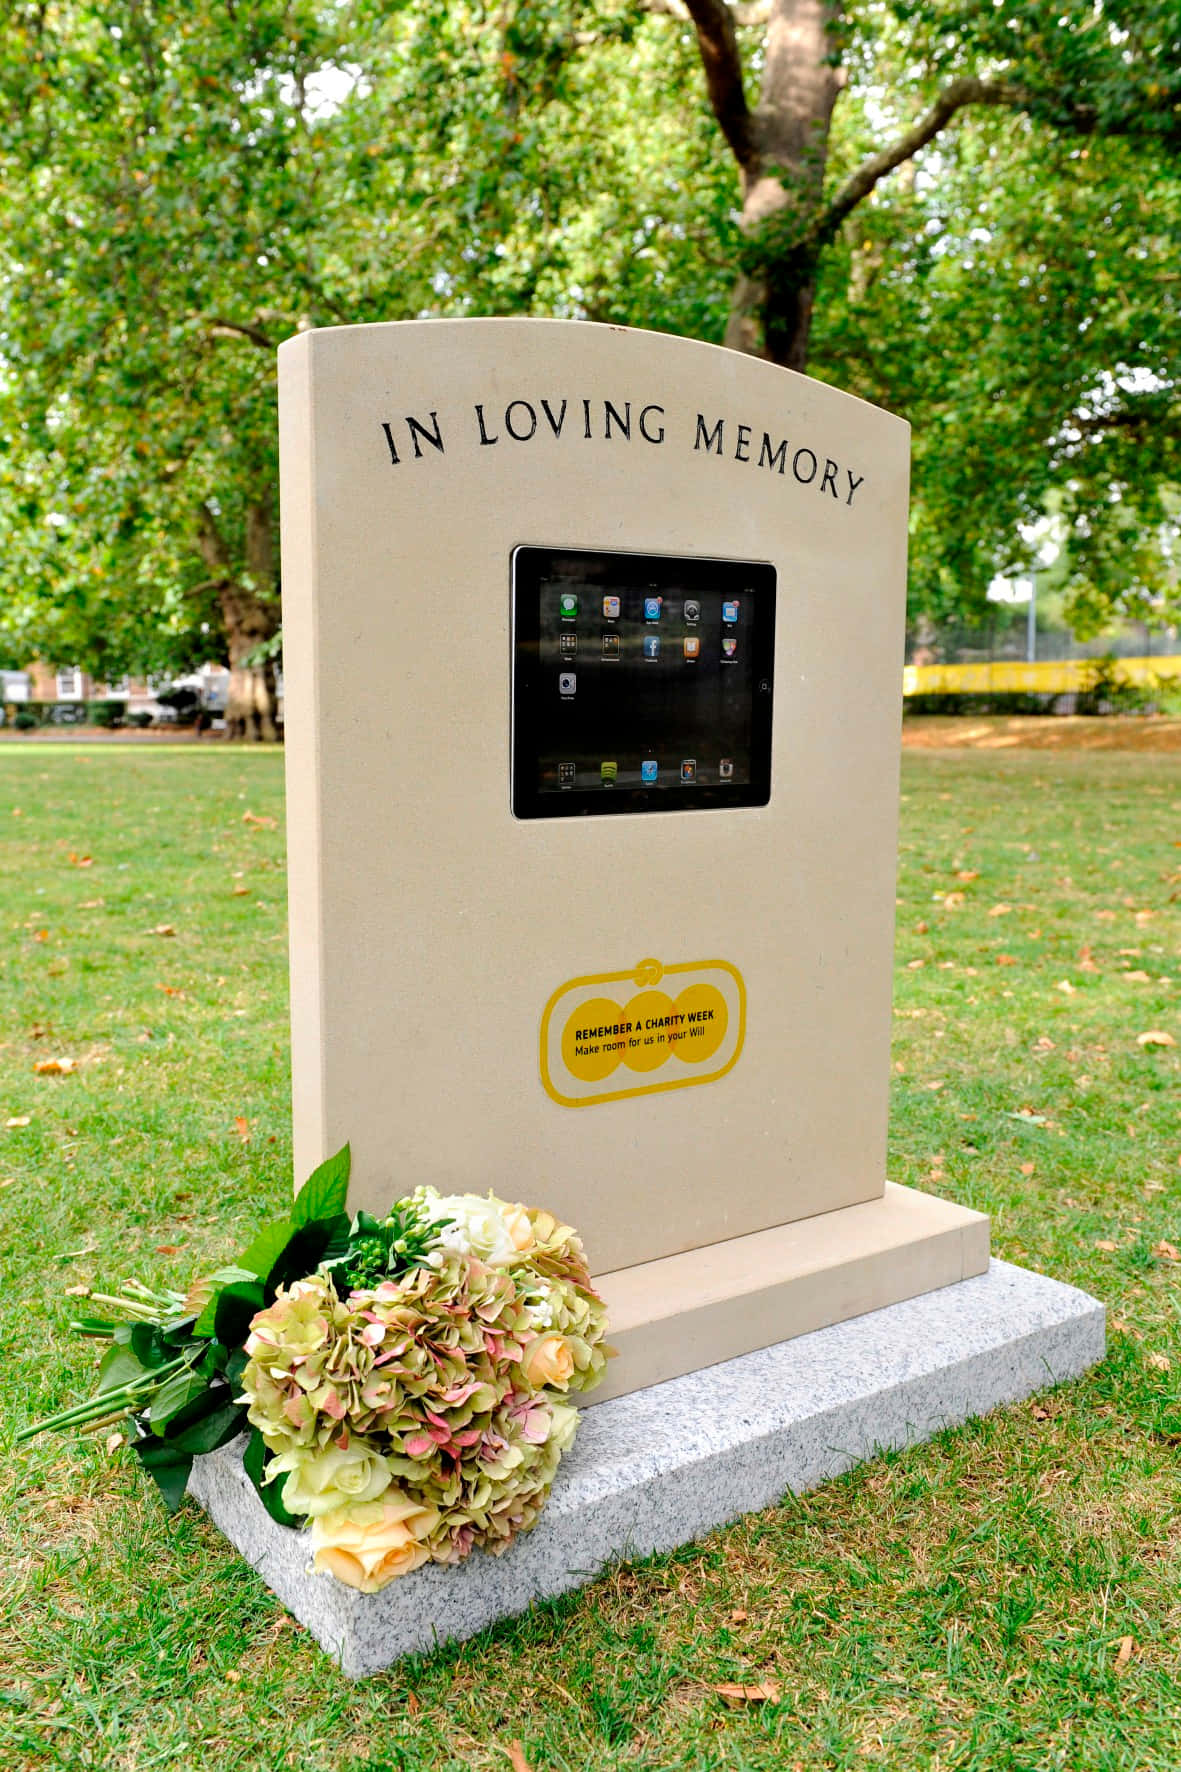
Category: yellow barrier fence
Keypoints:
(1045, 677)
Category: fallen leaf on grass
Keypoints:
(766, 1692)
(1086, 960)
(113, 1442)
(516, 1757)
(263, 824)
(1166, 1251)
(1000, 910)
(77, 1291)
(242, 1127)
(15, 1120)
(81, 861)
(967, 874)
(1106, 1244)
(240, 892)
(738, 1617)
(56, 1067)
(1124, 1654)
(1137, 977)
(9, 1181)
(162, 929)
(1027, 1168)
(1006, 959)
(953, 900)
(1155, 1037)
(167, 1248)
(1064, 985)
(1160, 1362)
(40, 935)
(171, 990)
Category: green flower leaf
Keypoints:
(168, 1468)
(310, 1245)
(236, 1304)
(266, 1248)
(223, 1423)
(119, 1366)
(325, 1191)
(254, 1461)
(173, 1396)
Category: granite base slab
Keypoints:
(661, 1466)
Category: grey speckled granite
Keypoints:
(659, 1467)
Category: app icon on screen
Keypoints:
(692, 609)
(565, 775)
(692, 646)
(651, 645)
(729, 646)
(689, 769)
(567, 645)
(567, 683)
(610, 645)
(652, 608)
(568, 605)
(726, 769)
(610, 608)
(648, 770)
(608, 773)
(730, 611)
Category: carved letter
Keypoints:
(773, 458)
(853, 485)
(520, 436)
(555, 424)
(484, 437)
(433, 437)
(644, 431)
(625, 424)
(389, 437)
(709, 438)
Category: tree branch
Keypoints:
(717, 40)
(968, 91)
(744, 12)
(231, 329)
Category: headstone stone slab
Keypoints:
(662, 1466)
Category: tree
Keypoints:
(187, 185)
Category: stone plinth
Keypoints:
(663, 1465)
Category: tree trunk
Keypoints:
(250, 614)
(771, 306)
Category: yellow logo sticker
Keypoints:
(654, 1027)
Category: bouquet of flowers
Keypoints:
(404, 1380)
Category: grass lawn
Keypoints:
(1008, 1596)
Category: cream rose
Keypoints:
(519, 1227)
(322, 1478)
(367, 1545)
(548, 1359)
(477, 1223)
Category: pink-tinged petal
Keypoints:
(419, 1446)
(333, 1405)
(373, 1334)
(294, 1410)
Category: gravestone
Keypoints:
(592, 659)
